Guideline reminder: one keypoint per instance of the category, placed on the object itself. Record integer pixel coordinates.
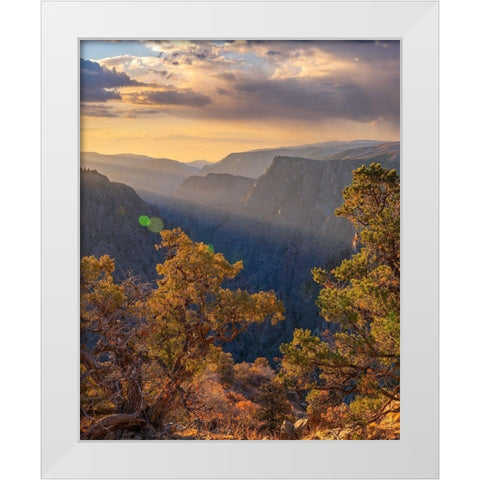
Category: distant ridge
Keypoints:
(109, 214)
(254, 163)
(148, 176)
(219, 190)
(198, 163)
(153, 178)
(281, 225)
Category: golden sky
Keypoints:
(203, 100)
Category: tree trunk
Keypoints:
(163, 404)
(134, 401)
(113, 423)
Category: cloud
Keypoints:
(99, 84)
(317, 99)
(372, 50)
(228, 76)
(163, 73)
(280, 81)
(98, 95)
(311, 81)
(186, 52)
(185, 97)
(144, 112)
(90, 110)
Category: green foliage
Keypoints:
(153, 355)
(372, 204)
(353, 373)
(250, 378)
(142, 347)
(110, 346)
(274, 406)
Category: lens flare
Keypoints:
(144, 220)
(155, 224)
(210, 248)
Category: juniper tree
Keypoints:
(352, 375)
(141, 349)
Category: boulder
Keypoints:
(301, 426)
(287, 431)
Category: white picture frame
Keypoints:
(64, 24)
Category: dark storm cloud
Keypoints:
(372, 51)
(227, 76)
(309, 99)
(306, 96)
(184, 97)
(367, 90)
(98, 95)
(98, 83)
(319, 98)
(280, 81)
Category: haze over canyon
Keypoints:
(271, 208)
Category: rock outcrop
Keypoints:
(255, 163)
(109, 214)
(149, 176)
(282, 227)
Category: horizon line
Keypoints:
(240, 151)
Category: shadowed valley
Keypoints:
(281, 224)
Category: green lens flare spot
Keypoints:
(210, 248)
(144, 220)
(155, 224)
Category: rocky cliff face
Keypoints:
(282, 227)
(255, 163)
(216, 190)
(148, 176)
(371, 153)
(109, 225)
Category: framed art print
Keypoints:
(230, 191)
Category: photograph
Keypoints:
(239, 239)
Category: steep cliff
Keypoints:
(109, 214)
(148, 176)
(280, 225)
(216, 190)
(254, 163)
(281, 228)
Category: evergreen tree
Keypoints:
(141, 347)
(352, 373)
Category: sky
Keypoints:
(190, 100)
